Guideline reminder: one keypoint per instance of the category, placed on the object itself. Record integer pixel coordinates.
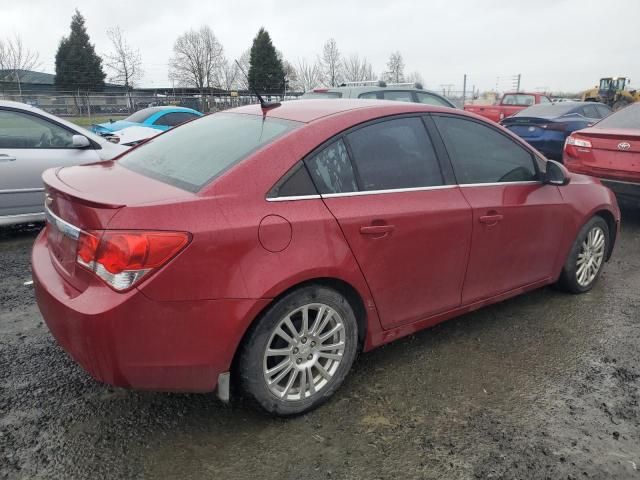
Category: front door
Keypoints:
(30, 144)
(517, 220)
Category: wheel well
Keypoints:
(342, 287)
(611, 223)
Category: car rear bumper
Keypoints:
(129, 340)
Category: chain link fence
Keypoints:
(90, 105)
(121, 104)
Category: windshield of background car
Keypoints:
(628, 117)
(309, 95)
(192, 155)
(518, 99)
(547, 110)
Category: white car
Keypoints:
(132, 136)
(32, 141)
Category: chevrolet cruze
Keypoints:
(263, 248)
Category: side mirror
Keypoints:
(80, 141)
(556, 174)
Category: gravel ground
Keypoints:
(545, 385)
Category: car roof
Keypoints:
(309, 110)
(166, 108)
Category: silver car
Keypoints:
(32, 141)
(399, 92)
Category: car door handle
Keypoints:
(491, 219)
(7, 158)
(377, 229)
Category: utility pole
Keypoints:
(464, 89)
(518, 87)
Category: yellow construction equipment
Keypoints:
(612, 91)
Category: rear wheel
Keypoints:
(300, 351)
(586, 258)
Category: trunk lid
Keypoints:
(87, 198)
(613, 152)
(611, 139)
(528, 127)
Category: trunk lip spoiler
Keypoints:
(51, 179)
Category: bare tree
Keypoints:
(356, 69)
(309, 75)
(242, 82)
(124, 62)
(196, 61)
(290, 74)
(15, 59)
(228, 75)
(395, 67)
(415, 77)
(331, 63)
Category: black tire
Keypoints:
(569, 281)
(252, 360)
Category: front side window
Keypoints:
(395, 154)
(480, 154)
(22, 130)
(191, 156)
(331, 169)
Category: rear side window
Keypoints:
(395, 154)
(399, 96)
(518, 99)
(429, 99)
(296, 183)
(174, 119)
(480, 154)
(331, 169)
(603, 111)
(191, 156)
(369, 95)
(544, 99)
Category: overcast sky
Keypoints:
(555, 44)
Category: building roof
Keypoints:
(28, 76)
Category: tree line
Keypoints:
(198, 61)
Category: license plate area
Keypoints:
(62, 239)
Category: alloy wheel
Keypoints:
(304, 352)
(590, 257)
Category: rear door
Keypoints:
(517, 220)
(408, 227)
(29, 144)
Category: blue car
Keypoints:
(158, 118)
(547, 125)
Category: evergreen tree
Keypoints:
(78, 67)
(266, 73)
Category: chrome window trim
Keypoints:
(495, 184)
(293, 198)
(398, 190)
(63, 226)
(390, 190)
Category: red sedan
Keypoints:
(268, 246)
(610, 150)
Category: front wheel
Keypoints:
(300, 351)
(586, 258)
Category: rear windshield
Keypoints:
(628, 117)
(518, 99)
(193, 154)
(309, 95)
(548, 110)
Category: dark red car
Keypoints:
(267, 247)
(610, 150)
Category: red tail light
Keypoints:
(122, 258)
